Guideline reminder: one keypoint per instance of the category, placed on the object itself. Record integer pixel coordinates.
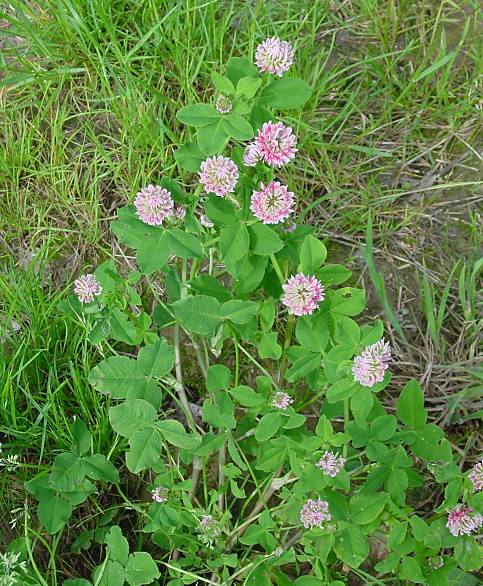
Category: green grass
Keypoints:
(88, 96)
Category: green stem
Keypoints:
(286, 346)
(346, 423)
(237, 360)
(277, 268)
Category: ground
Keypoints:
(388, 154)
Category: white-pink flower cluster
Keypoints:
(314, 513)
(274, 56)
(302, 294)
(275, 145)
(153, 205)
(370, 366)
(87, 288)
(273, 203)
(219, 175)
(331, 463)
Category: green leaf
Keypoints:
(347, 301)
(222, 84)
(468, 553)
(141, 569)
(67, 472)
(117, 544)
(200, 314)
(248, 86)
(220, 211)
(343, 389)
(234, 242)
(184, 244)
(383, 427)
(397, 484)
(286, 93)
(312, 255)
(410, 405)
(81, 437)
(263, 239)
(411, 570)
(153, 253)
(209, 285)
(397, 534)
(251, 271)
(122, 378)
(431, 445)
(238, 67)
(247, 396)
(189, 157)
(198, 115)
(308, 581)
(220, 414)
(365, 508)
(268, 426)
(239, 312)
(333, 274)
(218, 378)
(347, 332)
(122, 328)
(77, 582)
(237, 127)
(212, 139)
(361, 405)
(303, 366)
(157, 359)
(351, 546)
(54, 512)
(174, 433)
(112, 574)
(419, 527)
(269, 347)
(98, 468)
(313, 332)
(145, 449)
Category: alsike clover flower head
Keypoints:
(87, 288)
(274, 56)
(273, 203)
(275, 144)
(154, 205)
(302, 294)
(315, 513)
(370, 366)
(219, 175)
(463, 520)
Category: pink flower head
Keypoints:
(153, 205)
(314, 513)
(302, 294)
(179, 212)
(463, 520)
(281, 400)
(205, 221)
(86, 288)
(223, 104)
(273, 203)
(274, 56)
(251, 156)
(476, 476)
(370, 366)
(160, 494)
(218, 175)
(276, 143)
(331, 464)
